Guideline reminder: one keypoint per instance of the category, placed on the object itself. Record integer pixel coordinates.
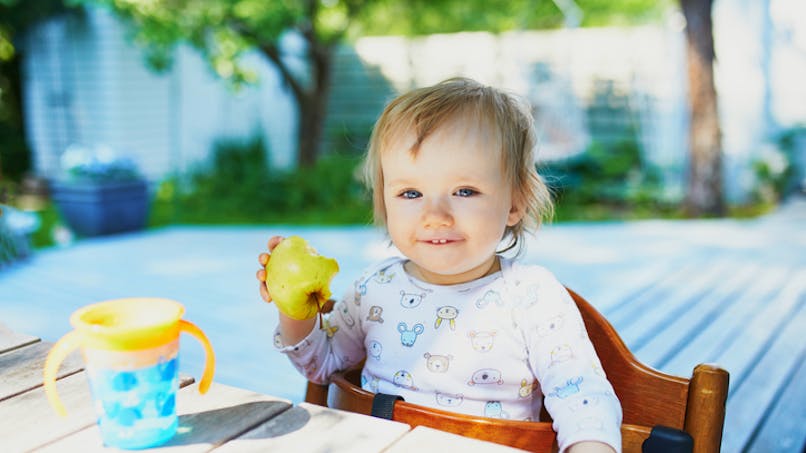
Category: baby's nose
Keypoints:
(437, 213)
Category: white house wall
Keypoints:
(90, 56)
(209, 110)
(45, 95)
(141, 112)
(84, 82)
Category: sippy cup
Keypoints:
(130, 347)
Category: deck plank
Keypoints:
(784, 427)
(754, 393)
(643, 279)
(674, 333)
(722, 331)
(650, 315)
(671, 290)
(765, 328)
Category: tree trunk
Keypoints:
(704, 195)
(311, 98)
(313, 105)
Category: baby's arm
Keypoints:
(333, 346)
(585, 409)
(590, 447)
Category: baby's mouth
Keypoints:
(439, 241)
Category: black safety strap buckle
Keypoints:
(663, 439)
(383, 404)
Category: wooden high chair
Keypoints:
(650, 399)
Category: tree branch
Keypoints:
(272, 52)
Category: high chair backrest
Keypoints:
(648, 397)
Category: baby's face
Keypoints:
(448, 207)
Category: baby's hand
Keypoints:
(590, 447)
(263, 259)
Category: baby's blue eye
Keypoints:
(465, 192)
(411, 194)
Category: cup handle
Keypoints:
(209, 366)
(56, 356)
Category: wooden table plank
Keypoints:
(312, 428)
(422, 438)
(784, 428)
(753, 396)
(28, 420)
(10, 340)
(21, 369)
(205, 421)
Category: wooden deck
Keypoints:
(679, 292)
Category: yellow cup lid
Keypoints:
(130, 323)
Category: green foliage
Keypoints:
(83, 165)
(14, 243)
(15, 157)
(16, 17)
(49, 219)
(238, 186)
(9, 245)
(606, 182)
(222, 30)
(775, 169)
(611, 179)
(422, 17)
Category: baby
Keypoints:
(456, 323)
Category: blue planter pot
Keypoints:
(99, 208)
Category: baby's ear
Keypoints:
(516, 211)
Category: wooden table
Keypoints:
(226, 419)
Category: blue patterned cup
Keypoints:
(131, 348)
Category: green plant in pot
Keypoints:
(100, 193)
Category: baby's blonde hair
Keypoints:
(507, 119)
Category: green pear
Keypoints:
(298, 278)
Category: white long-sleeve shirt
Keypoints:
(494, 347)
